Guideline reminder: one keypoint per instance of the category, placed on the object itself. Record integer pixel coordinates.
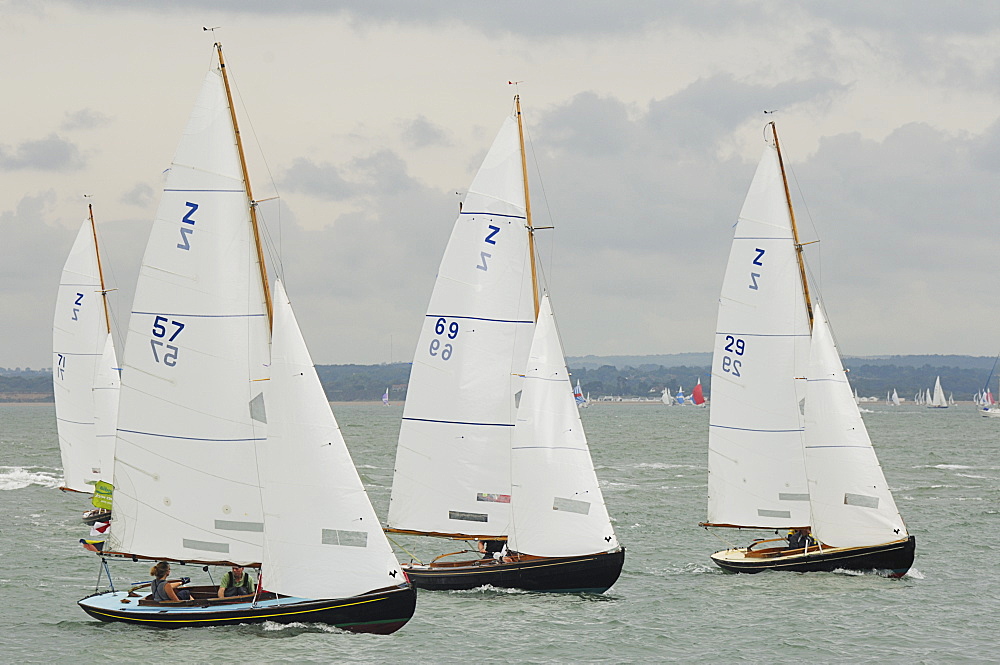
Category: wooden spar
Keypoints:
(527, 205)
(100, 271)
(795, 229)
(183, 562)
(437, 534)
(246, 181)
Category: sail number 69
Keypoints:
(450, 330)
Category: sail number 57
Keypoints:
(444, 331)
(162, 351)
(730, 363)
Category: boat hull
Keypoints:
(381, 612)
(892, 559)
(592, 573)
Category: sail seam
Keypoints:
(203, 316)
(225, 191)
(493, 214)
(750, 429)
(458, 422)
(475, 318)
(188, 438)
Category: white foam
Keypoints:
(18, 477)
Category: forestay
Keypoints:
(79, 331)
(452, 472)
(322, 538)
(756, 471)
(192, 409)
(851, 502)
(558, 508)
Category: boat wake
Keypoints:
(489, 588)
(18, 477)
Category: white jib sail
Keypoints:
(557, 505)
(756, 473)
(850, 500)
(322, 538)
(107, 387)
(192, 409)
(452, 472)
(79, 330)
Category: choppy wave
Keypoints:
(19, 477)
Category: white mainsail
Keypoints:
(937, 399)
(850, 500)
(192, 410)
(79, 333)
(756, 472)
(895, 397)
(557, 504)
(452, 471)
(107, 386)
(318, 521)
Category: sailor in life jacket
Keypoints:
(236, 583)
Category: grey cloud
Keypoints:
(711, 108)
(378, 174)
(84, 119)
(49, 154)
(421, 133)
(141, 195)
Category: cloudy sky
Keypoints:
(645, 124)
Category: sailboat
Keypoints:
(491, 447)
(385, 397)
(894, 400)
(227, 452)
(84, 369)
(681, 399)
(937, 400)
(581, 401)
(698, 395)
(787, 446)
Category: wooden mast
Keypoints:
(100, 271)
(527, 205)
(795, 228)
(246, 181)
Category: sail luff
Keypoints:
(251, 202)
(100, 270)
(795, 229)
(527, 205)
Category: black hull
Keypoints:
(380, 612)
(592, 573)
(891, 559)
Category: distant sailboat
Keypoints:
(666, 397)
(680, 398)
(894, 400)
(84, 369)
(937, 400)
(581, 401)
(697, 395)
(788, 453)
(385, 397)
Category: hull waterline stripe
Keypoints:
(457, 422)
(188, 438)
(230, 618)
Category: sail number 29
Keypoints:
(443, 330)
(730, 364)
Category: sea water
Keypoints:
(671, 603)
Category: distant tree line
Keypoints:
(351, 383)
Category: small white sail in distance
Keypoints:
(322, 538)
(850, 501)
(557, 505)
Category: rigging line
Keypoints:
(812, 222)
(248, 120)
(545, 198)
(721, 539)
(413, 557)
